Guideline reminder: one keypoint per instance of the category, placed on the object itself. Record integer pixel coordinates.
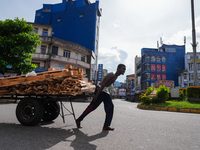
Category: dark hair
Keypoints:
(120, 66)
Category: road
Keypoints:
(135, 129)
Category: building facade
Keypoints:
(163, 63)
(75, 21)
(138, 70)
(56, 53)
(186, 77)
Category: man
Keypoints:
(102, 95)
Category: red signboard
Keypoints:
(158, 67)
(163, 76)
(163, 68)
(153, 67)
(169, 84)
(153, 76)
(158, 76)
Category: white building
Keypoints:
(138, 70)
(56, 53)
(186, 77)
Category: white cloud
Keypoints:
(116, 23)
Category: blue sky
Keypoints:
(126, 26)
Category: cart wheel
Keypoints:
(51, 110)
(29, 112)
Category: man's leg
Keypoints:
(109, 108)
(92, 106)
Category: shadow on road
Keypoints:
(18, 137)
(82, 141)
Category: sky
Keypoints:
(127, 26)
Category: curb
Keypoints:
(184, 110)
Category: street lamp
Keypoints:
(194, 44)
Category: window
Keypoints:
(82, 58)
(158, 76)
(163, 76)
(81, 15)
(163, 59)
(158, 67)
(153, 76)
(46, 9)
(191, 84)
(163, 68)
(185, 76)
(153, 58)
(58, 19)
(198, 76)
(45, 32)
(145, 85)
(147, 76)
(158, 59)
(43, 49)
(153, 67)
(55, 50)
(147, 67)
(76, 55)
(191, 67)
(198, 67)
(66, 53)
(35, 30)
(191, 76)
(147, 58)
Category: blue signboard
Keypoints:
(132, 85)
(100, 72)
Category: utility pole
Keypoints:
(194, 44)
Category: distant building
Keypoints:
(138, 69)
(163, 63)
(75, 21)
(56, 53)
(186, 77)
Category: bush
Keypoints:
(145, 98)
(162, 94)
(193, 92)
(149, 90)
(182, 94)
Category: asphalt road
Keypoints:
(135, 129)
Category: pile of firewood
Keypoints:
(66, 81)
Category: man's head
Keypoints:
(121, 68)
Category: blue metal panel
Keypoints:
(77, 21)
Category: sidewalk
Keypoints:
(185, 110)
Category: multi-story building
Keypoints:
(186, 77)
(163, 63)
(76, 21)
(138, 70)
(56, 53)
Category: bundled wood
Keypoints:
(66, 81)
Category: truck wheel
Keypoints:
(51, 110)
(29, 112)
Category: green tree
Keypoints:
(17, 43)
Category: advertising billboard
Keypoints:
(100, 72)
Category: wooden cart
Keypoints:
(32, 109)
(39, 96)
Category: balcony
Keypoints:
(40, 56)
(71, 61)
(45, 39)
